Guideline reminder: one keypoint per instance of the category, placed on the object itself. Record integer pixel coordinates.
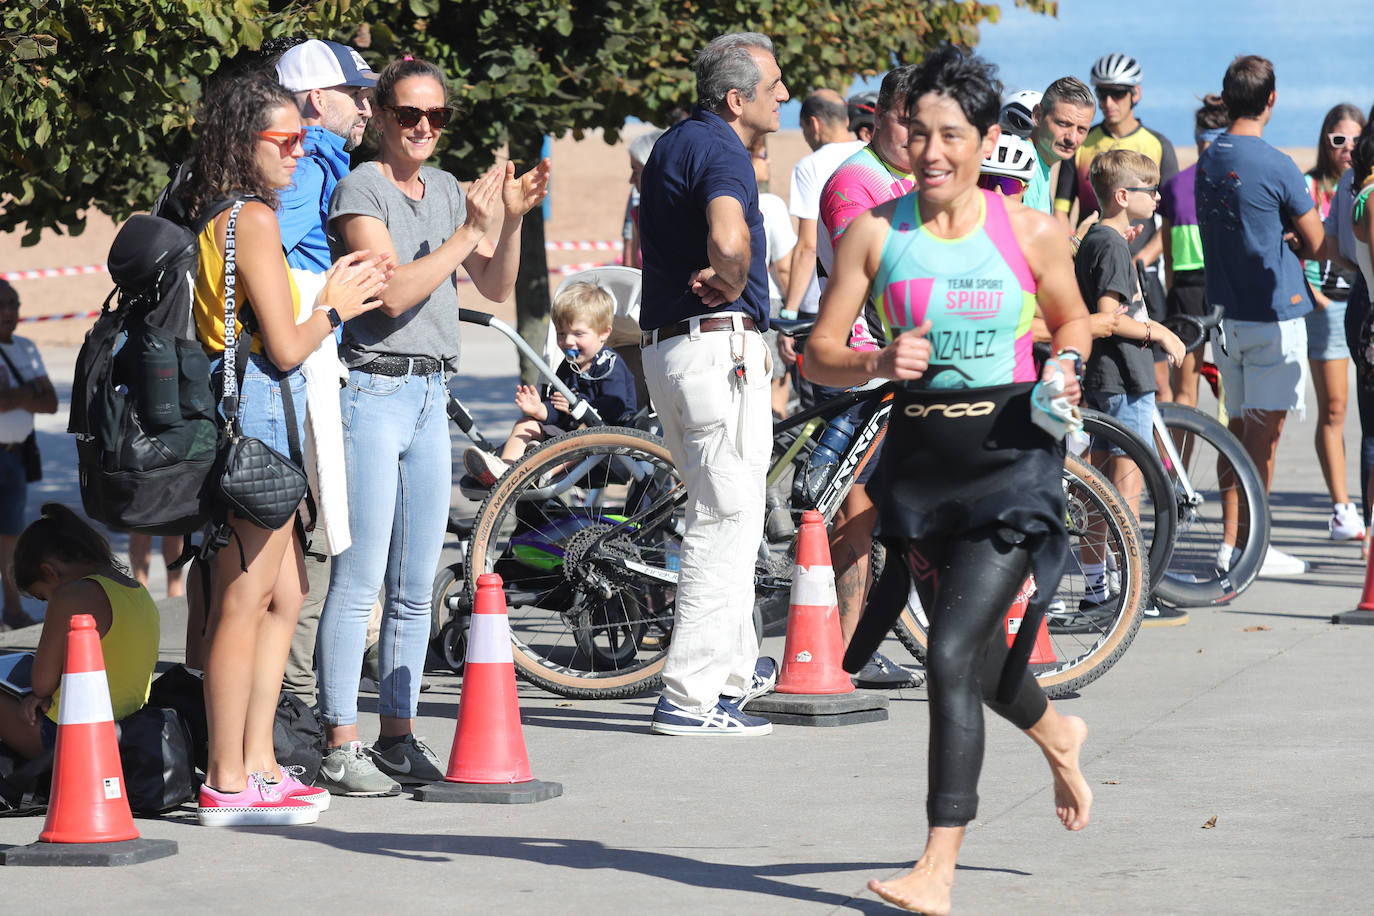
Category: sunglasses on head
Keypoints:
(1341, 141)
(1112, 92)
(1006, 185)
(408, 115)
(286, 140)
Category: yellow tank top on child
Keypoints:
(209, 299)
(129, 647)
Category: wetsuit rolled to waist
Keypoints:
(960, 460)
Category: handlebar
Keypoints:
(580, 409)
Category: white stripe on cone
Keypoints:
(489, 640)
(813, 586)
(86, 699)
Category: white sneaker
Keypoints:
(1345, 523)
(1227, 556)
(484, 467)
(1279, 564)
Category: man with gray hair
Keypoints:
(704, 308)
(1062, 121)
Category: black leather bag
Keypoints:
(258, 483)
(155, 751)
(251, 479)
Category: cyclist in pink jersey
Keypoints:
(875, 174)
(970, 483)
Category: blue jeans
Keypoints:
(398, 458)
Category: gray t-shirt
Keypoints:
(417, 228)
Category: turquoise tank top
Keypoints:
(977, 291)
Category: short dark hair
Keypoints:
(825, 109)
(1247, 85)
(1068, 89)
(968, 79)
(7, 292)
(895, 86)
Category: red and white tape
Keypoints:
(563, 271)
(47, 273)
(583, 246)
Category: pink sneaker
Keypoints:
(261, 804)
(292, 787)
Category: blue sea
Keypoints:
(1323, 54)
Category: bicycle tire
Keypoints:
(1193, 579)
(546, 649)
(1080, 657)
(1159, 519)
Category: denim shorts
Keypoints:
(1326, 332)
(261, 412)
(1135, 411)
(13, 492)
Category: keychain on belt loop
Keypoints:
(737, 378)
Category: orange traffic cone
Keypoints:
(88, 806)
(488, 761)
(1043, 652)
(811, 659)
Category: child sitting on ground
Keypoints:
(582, 316)
(62, 560)
(1119, 378)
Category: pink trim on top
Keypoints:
(998, 227)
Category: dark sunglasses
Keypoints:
(1009, 187)
(1112, 92)
(286, 140)
(408, 115)
(1152, 189)
(1341, 141)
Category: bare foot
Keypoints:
(924, 889)
(1072, 797)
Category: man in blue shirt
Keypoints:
(333, 88)
(1257, 222)
(704, 306)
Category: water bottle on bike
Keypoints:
(826, 458)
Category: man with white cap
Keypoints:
(333, 88)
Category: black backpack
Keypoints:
(143, 408)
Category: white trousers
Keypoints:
(720, 434)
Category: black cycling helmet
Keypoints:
(862, 108)
(1116, 70)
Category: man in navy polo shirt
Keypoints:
(704, 306)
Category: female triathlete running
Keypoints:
(971, 485)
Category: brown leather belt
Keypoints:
(716, 323)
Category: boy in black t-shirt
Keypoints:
(1119, 378)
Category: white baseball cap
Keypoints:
(316, 64)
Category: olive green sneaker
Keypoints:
(410, 762)
(349, 770)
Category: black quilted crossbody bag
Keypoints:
(251, 479)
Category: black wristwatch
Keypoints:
(333, 315)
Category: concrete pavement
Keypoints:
(1255, 714)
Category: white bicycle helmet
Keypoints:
(1013, 157)
(1116, 70)
(1016, 112)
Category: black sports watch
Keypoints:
(1067, 351)
(333, 315)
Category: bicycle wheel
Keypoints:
(1084, 646)
(1158, 510)
(1229, 501)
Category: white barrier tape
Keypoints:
(813, 586)
(489, 640)
(85, 699)
(47, 273)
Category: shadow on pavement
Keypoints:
(588, 854)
